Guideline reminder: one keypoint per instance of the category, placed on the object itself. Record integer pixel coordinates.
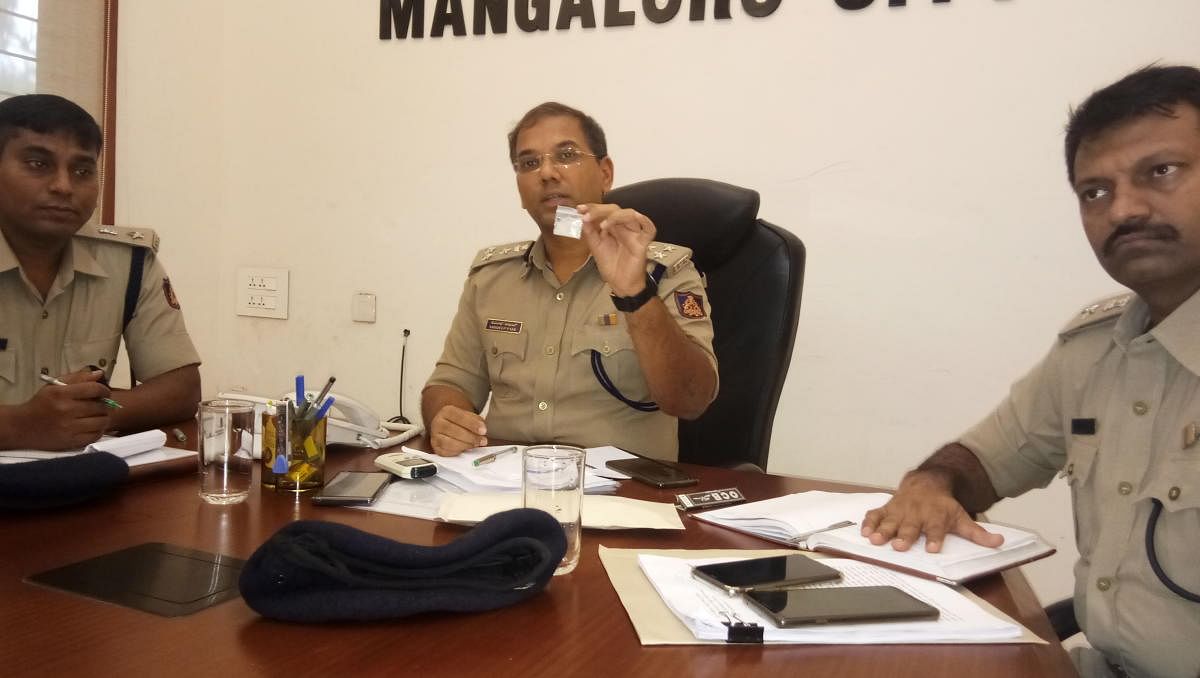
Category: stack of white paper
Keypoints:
(502, 474)
(136, 449)
(703, 608)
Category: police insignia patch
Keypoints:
(690, 304)
(169, 293)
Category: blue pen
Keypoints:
(324, 408)
(300, 388)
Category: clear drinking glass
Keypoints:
(225, 443)
(552, 480)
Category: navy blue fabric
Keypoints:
(316, 571)
(50, 483)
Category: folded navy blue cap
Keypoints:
(50, 483)
(316, 571)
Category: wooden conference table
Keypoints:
(576, 627)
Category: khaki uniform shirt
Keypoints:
(79, 322)
(527, 339)
(1142, 391)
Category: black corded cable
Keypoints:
(1151, 553)
(400, 418)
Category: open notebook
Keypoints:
(803, 521)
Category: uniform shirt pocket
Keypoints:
(505, 357)
(1177, 487)
(1081, 460)
(8, 366)
(100, 352)
(618, 358)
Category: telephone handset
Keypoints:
(350, 422)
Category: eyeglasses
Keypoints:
(567, 156)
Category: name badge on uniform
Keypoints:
(1083, 427)
(508, 326)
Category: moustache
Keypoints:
(1148, 230)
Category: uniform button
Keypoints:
(1071, 468)
(103, 362)
(1124, 488)
(45, 314)
(1140, 408)
(606, 350)
(543, 405)
(549, 350)
(560, 296)
(1104, 583)
(495, 350)
(1173, 493)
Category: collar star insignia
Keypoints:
(137, 235)
(106, 231)
(660, 255)
(669, 248)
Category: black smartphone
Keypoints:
(801, 607)
(758, 574)
(352, 488)
(652, 472)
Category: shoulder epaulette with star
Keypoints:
(491, 255)
(1098, 313)
(673, 257)
(124, 235)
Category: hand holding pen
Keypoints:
(67, 414)
(108, 402)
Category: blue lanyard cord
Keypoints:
(602, 374)
(1152, 554)
(606, 383)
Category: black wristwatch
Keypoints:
(631, 304)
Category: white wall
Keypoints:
(915, 150)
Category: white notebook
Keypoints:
(803, 521)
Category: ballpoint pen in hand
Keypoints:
(109, 402)
(489, 458)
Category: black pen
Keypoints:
(320, 398)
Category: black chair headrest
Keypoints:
(727, 211)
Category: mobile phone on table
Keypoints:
(652, 472)
(857, 604)
(774, 572)
(352, 488)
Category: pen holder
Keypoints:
(293, 453)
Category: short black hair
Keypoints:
(48, 114)
(591, 129)
(1150, 89)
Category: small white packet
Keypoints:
(567, 222)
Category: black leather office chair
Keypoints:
(755, 273)
(1062, 618)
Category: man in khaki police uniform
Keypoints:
(63, 292)
(534, 317)
(1115, 406)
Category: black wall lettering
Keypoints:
(448, 12)
(854, 4)
(569, 9)
(538, 21)
(494, 10)
(613, 16)
(660, 15)
(401, 14)
(760, 8)
(696, 10)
